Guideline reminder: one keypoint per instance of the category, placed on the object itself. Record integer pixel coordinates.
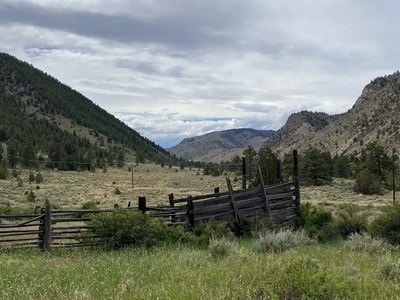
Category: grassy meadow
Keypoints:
(188, 271)
(184, 272)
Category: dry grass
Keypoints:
(72, 189)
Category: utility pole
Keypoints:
(132, 174)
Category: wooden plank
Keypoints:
(281, 195)
(263, 193)
(16, 233)
(13, 231)
(248, 203)
(282, 204)
(215, 216)
(211, 202)
(19, 240)
(281, 214)
(212, 209)
(5, 226)
(246, 210)
(55, 228)
(19, 216)
(63, 220)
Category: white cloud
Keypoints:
(172, 69)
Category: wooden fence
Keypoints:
(64, 228)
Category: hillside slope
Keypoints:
(375, 116)
(38, 108)
(220, 145)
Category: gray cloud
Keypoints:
(179, 68)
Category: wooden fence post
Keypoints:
(47, 228)
(279, 178)
(234, 207)
(216, 192)
(244, 173)
(296, 178)
(190, 212)
(172, 204)
(142, 204)
(264, 194)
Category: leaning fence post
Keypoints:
(264, 196)
(142, 204)
(47, 228)
(233, 206)
(190, 212)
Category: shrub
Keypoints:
(365, 243)
(92, 205)
(31, 197)
(130, 228)
(117, 191)
(20, 182)
(367, 183)
(31, 177)
(14, 173)
(212, 229)
(222, 247)
(347, 222)
(39, 178)
(387, 225)
(390, 270)
(3, 170)
(313, 218)
(280, 241)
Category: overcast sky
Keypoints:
(173, 69)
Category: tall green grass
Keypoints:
(185, 272)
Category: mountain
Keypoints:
(220, 145)
(375, 116)
(58, 123)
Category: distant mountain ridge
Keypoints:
(220, 145)
(375, 116)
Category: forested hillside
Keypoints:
(41, 118)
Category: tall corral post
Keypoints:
(41, 228)
(296, 178)
(216, 192)
(244, 173)
(142, 204)
(264, 196)
(190, 212)
(172, 204)
(47, 228)
(279, 178)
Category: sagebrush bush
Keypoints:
(390, 270)
(348, 221)
(39, 178)
(367, 183)
(280, 241)
(365, 243)
(90, 205)
(387, 225)
(3, 170)
(313, 218)
(212, 229)
(131, 228)
(222, 247)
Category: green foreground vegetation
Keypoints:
(186, 272)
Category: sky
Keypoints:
(173, 69)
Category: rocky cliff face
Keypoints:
(374, 117)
